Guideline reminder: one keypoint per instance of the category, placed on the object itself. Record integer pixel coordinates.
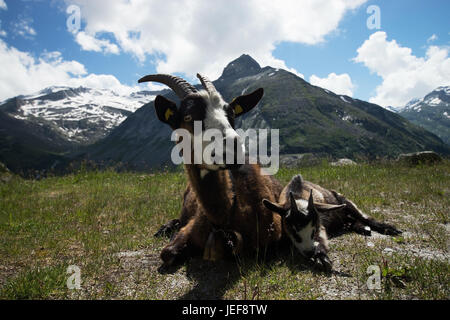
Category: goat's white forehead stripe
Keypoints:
(301, 204)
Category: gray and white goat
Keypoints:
(311, 214)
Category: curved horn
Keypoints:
(206, 83)
(180, 86)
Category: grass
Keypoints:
(103, 222)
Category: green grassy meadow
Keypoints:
(104, 221)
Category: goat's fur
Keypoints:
(336, 215)
(220, 218)
(222, 211)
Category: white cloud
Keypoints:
(90, 43)
(3, 5)
(23, 27)
(24, 74)
(338, 83)
(432, 38)
(405, 76)
(203, 36)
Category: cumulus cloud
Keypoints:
(90, 43)
(405, 76)
(3, 5)
(338, 83)
(24, 74)
(203, 36)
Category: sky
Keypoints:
(386, 52)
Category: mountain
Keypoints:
(27, 146)
(42, 130)
(431, 112)
(310, 119)
(81, 115)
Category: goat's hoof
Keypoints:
(168, 229)
(171, 256)
(366, 231)
(391, 230)
(168, 256)
(322, 262)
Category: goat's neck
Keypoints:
(214, 193)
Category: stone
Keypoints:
(423, 157)
(343, 162)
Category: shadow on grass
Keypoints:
(213, 279)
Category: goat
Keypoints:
(309, 224)
(222, 211)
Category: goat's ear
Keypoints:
(167, 112)
(325, 207)
(245, 103)
(275, 207)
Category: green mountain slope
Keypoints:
(26, 146)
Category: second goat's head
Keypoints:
(301, 220)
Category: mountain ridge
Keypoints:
(310, 119)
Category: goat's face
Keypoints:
(205, 112)
(301, 221)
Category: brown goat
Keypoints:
(222, 210)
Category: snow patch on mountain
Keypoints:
(82, 115)
(344, 99)
(438, 97)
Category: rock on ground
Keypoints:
(415, 158)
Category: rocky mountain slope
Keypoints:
(41, 130)
(79, 115)
(431, 112)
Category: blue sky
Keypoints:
(119, 41)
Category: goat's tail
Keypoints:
(295, 185)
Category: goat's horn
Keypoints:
(206, 83)
(180, 86)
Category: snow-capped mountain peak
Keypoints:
(431, 112)
(82, 115)
(439, 96)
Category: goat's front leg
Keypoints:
(320, 255)
(191, 238)
(363, 221)
(188, 211)
(321, 259)
(168, 229)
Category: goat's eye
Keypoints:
(188, 118)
